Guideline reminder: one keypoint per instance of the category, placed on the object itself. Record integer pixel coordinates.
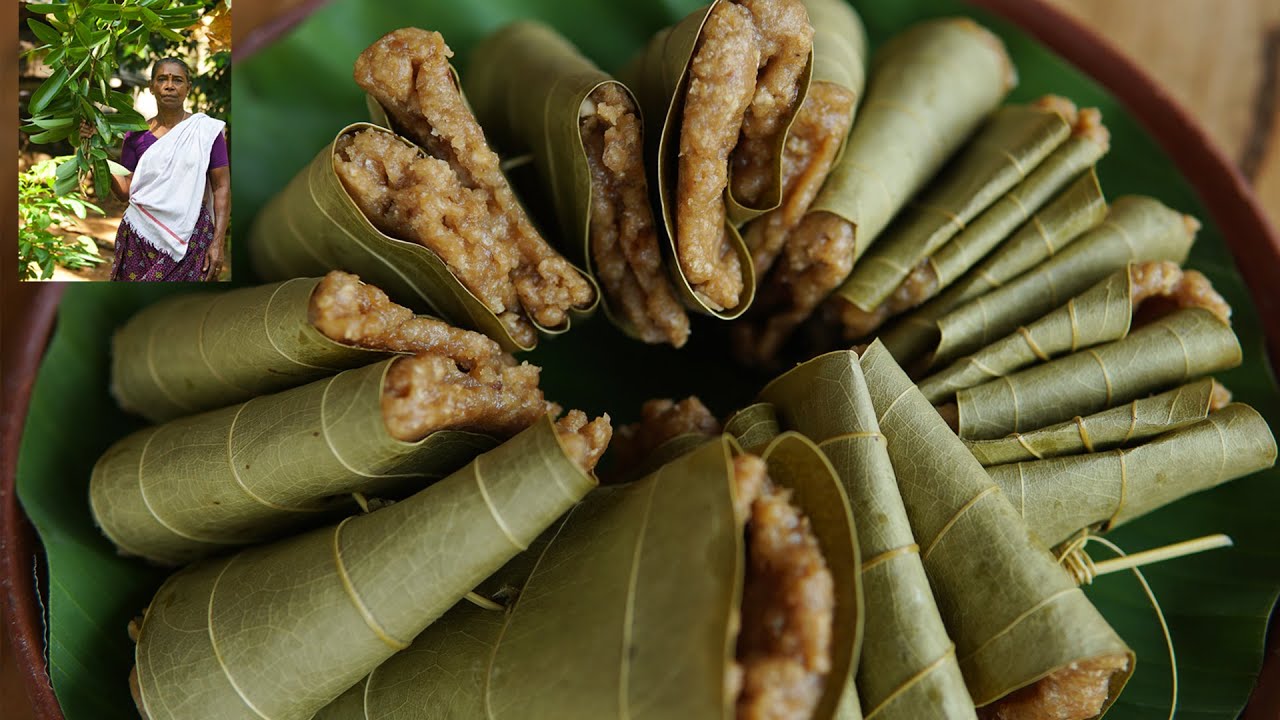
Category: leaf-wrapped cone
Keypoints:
(206, 483)
(929, 88)
(1060, 496)
(908, 666)
(660, 77)
(1137, 229)
(817, 136)
(1064, 214)
(281, 630)
(1181, 346)
(839, 46)
(1075, 211)
(202, 351)
(532, 90)
(1008, 634)
(1011, 144)
(631, 611)
(1101, 314)
(1141, 419)
(314, 225)
(456, 645)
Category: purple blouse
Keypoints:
(136, 142)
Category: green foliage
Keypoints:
(40, 207)
(82, 40)
(210, 86)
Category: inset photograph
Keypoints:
(123, 164)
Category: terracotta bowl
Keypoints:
(30, 308)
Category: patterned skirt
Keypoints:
(137, 261)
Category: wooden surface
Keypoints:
(1219, 58)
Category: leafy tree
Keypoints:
(39, 208)
(83, 39)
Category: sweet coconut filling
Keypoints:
(353, 313)
(1076, 692)
(813, 141)
(662, 420)
(743, 87)
(584, 441)
(622, 235)
(454, 379)
(452, 198)
(783, 651)
(815, 260)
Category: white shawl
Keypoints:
(168, 186)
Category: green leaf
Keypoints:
(83, 34)
(101, 180)
(46, 34)
(105, 11)
(166, 32)
(52, 136)
(77, 207)
(66, 169)
(51, 123)
(66, 185)
(118, 169)
(44, 94)
(42, 8)
(80, 68)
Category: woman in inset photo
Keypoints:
(178, 190)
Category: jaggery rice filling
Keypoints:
(623, 238)
(785, 41)
(1160, 287)
(662, 420)
(1076, 692)
(584, 441)
(352, 313)
(453, 198)
(743, 86)
(812, 143)
(784, 647)
(451, 379)
(815, 260)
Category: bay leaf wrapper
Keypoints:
(754, 426)
(839, 48)
(1139, 420)
(1009, 145)
(1181, 346)
(659, 77)
(196, 352)
(1008, 634)
(461, 641)
(908, 667)
(281, 630)
(929, 88)
(1099, 491)
(1137, 229)
(313, 226)
(1101, 314)
(1055, 224)
(526, 84)
(208, 483)
(654, 569)
(1066, 198)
